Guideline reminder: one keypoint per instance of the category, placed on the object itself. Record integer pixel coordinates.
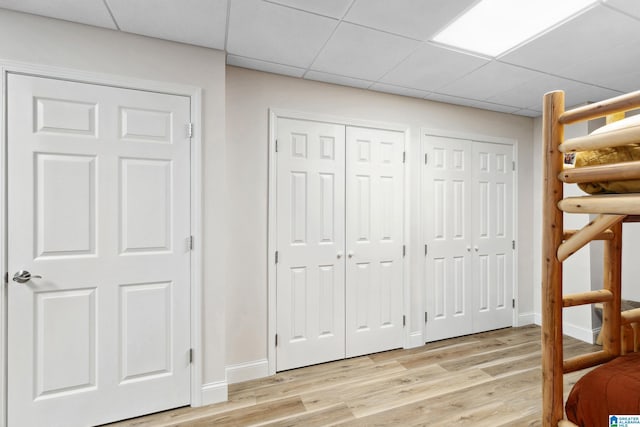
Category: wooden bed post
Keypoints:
(552, 230)
(611, 323)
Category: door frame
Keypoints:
(195, 95)
(424, 132)
(274, 115)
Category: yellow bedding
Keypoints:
(603, 156)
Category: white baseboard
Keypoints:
(247, 371)
(415, 340)
(580, 333)
(525, 319)
(214, 393)
(537, 319)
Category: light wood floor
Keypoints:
(489, 379)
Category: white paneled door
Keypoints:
(375, 206)
(468, 205)
(492, 236)
(310, 242)
(448, 214)
(339, 210)
(98, 215)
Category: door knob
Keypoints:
(350, 254)
(476, 248)
(23, 276)
(339, 254)
(468, 248)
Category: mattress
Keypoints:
(603, 156)
(609, 389)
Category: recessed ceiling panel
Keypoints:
(197, 22)
(274, 33)
(331, 8)
(495, 77)
(431, 67)
(90, 12)
(362, 53)
(420, 20)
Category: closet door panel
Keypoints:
(493, 235)
(374, 213)
(446, 206)
(310, 241)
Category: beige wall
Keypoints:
(44, 41)
(249, 96)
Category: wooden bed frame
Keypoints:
(619, 330)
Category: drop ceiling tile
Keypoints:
(528, 113)
(268, 67)
(586, 37)
(362, 53)
(397, 90)
(90, 12)
(439, 97)
(274, 33)
(632, 7)
(431, 67)
(331, 8)
(420, 20)
(529, 95)
(495, 77)
(197, 22)
(335, 79)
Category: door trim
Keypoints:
(422, 226)
(274, 115)
(195, 95)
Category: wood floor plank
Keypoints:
(488, 379)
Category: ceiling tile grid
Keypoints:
(386, 46)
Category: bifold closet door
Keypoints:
(492, 236)
(447, 206)
(375, 206)
(310, 242)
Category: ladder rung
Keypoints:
(630, 316)
(584, 236)
(584, 298)
(614, 204)
(605, 235)
(586, 361)
(614, 138)
(611, 172)
(628, 101)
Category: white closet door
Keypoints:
(447, 212)
(375, 203)
(98, 205)
(310, 242)
(492, 236)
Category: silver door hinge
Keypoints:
(276, 145)
(404, 156)
(513, 303)
(426, 250)
(6, 278)
(191, 243)
(404, 320)
(513, 244)
(276, 257)
(426, 156)
(513, 165)
(426, 317)
(276, 340)
(190, 355)
(404, 250)
(190, 130)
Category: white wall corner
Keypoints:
(415, 339)
(537, 319)
(247, 371)
(525, 319)
(215, 392)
